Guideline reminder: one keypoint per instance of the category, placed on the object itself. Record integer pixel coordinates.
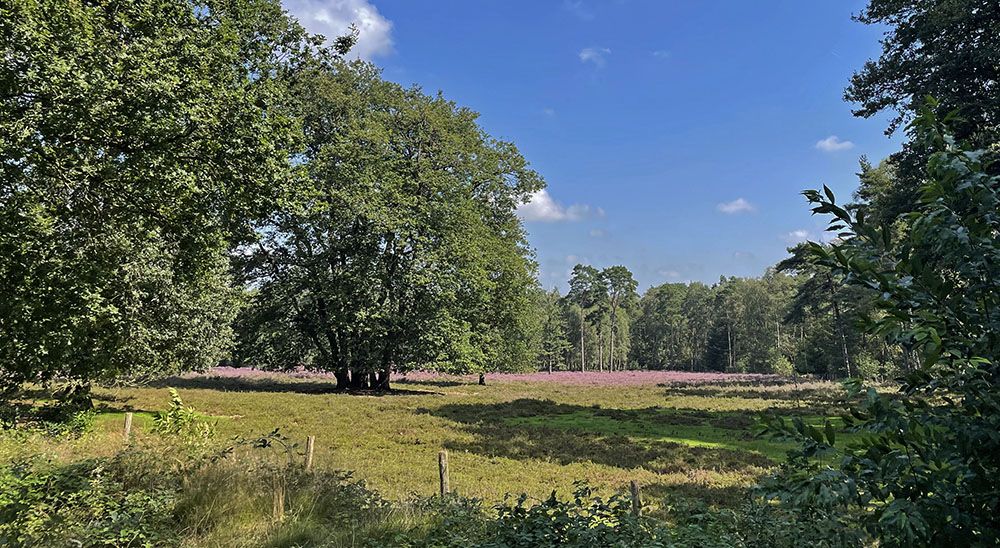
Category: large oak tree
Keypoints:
(398, 246)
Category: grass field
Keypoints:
(675, 434)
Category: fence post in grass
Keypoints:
(128, 426)
(278, 498)
(633, 487)
(443, 472)
(310, 444)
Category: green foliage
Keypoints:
(737, 325)
(555, 343)
(926, 469)
(397, 246)
(584, 521)
(139, 140)
(947, 50)
(83, 504)
(446, 522)
(872, 369)
(780, 364)
(182, 422)
(601, 305)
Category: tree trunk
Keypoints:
(613, 347)
(381, 382)
(840, 327)
(583, 358)
(382, 379)
(359, 379)
(482, 379)
(600, 350)
(729, 342)
(343, 377)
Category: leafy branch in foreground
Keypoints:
(925, 468)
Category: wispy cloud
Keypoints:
(679, 272)
(333, 18)
(550, 112)
(833, 144)
(796, 236)
(543, 208)
(579, 9)
(597, 56)
(739, 205)
(661, 54)
(597, 233)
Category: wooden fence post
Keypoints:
(310, 445)
(636, 501)
(443, 472)
(278, 498)
(128, 426)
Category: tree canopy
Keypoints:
(947, 50)
(397, 246)
(137, 141)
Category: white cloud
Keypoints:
(597, 56)
(661, 53)
(332, 18)
(550, 112)
(579, 9)
(597, 233)
(669, 274)
(543, 208)
(739, 205)
(833, 144)
(796, 236)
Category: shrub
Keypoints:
(180, 420)
(585, 521)
(927, 469)
(81, 504)
(781, 365)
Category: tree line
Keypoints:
(798, 318)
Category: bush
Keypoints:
(82, 504)
(927, 469)
(781, 365)
(871, 369)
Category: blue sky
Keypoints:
(675, 136)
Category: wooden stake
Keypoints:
(310, 444)
(636, 501)
(443, 472)
(278, 500)
(128, 427)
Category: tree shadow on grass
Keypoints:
(438, 383)
(545, 430)
(274, 385)
(808, 398)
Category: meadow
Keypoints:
(688, 435)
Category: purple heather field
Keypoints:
(575, 378)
